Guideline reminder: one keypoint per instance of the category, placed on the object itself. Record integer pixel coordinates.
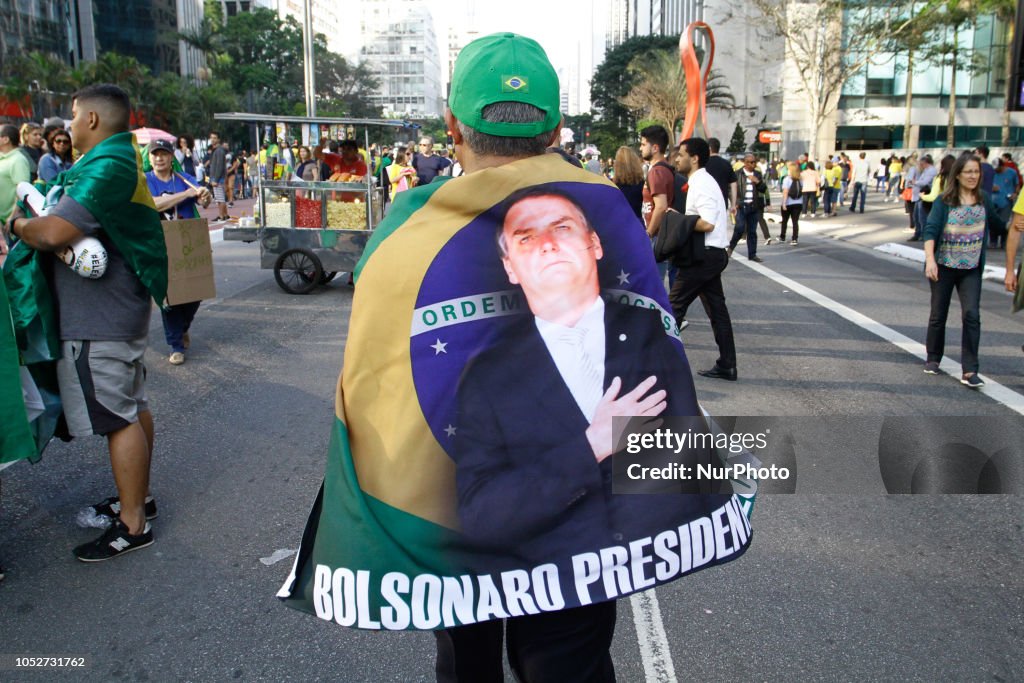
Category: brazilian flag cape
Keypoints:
(16, 439)
(108, 181)
(438, 387)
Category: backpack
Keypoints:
(795, 189)
(678, 193)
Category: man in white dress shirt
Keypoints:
(704, 279)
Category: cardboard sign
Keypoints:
(189, 261)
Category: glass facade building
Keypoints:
(144, 29)
(880, 88)
(400, 46)
(35, 26)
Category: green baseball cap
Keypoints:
(504, 67)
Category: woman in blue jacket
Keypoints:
(955, 237)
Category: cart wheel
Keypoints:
(298, 271)
(328, 276)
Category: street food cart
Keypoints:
(309, 231)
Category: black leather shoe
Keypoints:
(756, 259)
(718, 372)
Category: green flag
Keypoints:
(16, 440)
(108, 181)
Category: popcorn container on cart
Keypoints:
(310, 231)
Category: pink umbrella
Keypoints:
(144, 136)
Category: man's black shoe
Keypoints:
(719, 372)
(114, 542)
(914, 239)
(756, 259)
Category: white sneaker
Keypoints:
(177, 358)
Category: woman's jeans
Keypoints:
(791, 211)
(810, 203)
(828, 194)
(968, 288)
(894, 183)
(177, 320)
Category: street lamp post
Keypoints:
(308, 63)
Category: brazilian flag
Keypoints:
(401, 535)
(108, 181)
(16, 440)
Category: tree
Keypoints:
(611, 82)
(659, 89)
(826, 45)
(261, 58)
(949, 20)
(1006, 12)
(738, 143)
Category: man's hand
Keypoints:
(204, 197)
(1010, 281)
(601, 434)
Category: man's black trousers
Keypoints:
(553, 647)
(705, 280)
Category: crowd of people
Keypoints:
(958, 209)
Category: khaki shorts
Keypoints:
(102, 385)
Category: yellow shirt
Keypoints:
(936, 191)
(833, 177)
(1019, 206)
(895, 167)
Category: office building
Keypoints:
(399, 45)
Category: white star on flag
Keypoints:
(623, 277)
(439, 347)
(450, 431)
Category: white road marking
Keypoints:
(994, 273)
(277, 556)
(650, 631)
(216, 236)
(997, 392)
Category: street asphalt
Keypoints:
(842, 582)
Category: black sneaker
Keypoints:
(931, 368)
(115, 541)
(972, 381)
(111, 507)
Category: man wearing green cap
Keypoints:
(504, 107)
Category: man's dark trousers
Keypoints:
(551, 647)
(705, 280)
(859, 189)
(747, 218)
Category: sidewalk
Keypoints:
(242, 207)
(884, 227)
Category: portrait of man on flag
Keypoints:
(508, 327)
(535, 476)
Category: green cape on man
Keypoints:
(109, 183)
